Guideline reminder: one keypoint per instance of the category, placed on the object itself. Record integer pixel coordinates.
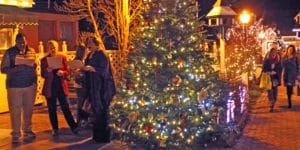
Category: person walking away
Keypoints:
(290, 71)
(272, 67)
(18, 63)
(100, 87)
(56, 86)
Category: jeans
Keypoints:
(21, 99)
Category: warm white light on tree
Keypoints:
(261, 35)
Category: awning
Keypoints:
(12, 15)
(221, 11)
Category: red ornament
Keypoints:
(148, 129)
(130, 85)
(200, 28)
(183, 117)
(117, 123)
(183, 21)
(148, 21)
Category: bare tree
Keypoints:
(117, 18)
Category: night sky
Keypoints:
(278, 12)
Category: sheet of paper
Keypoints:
(21, 60)
(75, 64)
(54, 62)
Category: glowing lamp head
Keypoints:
(245, 17)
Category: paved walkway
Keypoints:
(278, 130)
(263, 131)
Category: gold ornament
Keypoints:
(154, 60)
(174, 98)
(161, 117)
(141, 102)
(132, 116)
(180, 63)
(202, 95)
(176, 81)
(150, 116)
(169, 56)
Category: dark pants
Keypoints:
(272, 95)
(101, 130)
(289, 92)
(52, 111)
(81, 115)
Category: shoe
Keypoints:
(16, 140)
(55, 132)
(76, 130)
(100, 141)
(29, 136)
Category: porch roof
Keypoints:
(12, 15)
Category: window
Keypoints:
(66, 31)
(46, 30)
(6, 38)
(214, 22)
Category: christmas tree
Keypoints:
(171, 95)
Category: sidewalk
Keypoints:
(272, 131)
(264, 130)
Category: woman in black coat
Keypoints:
(272, 66)
(290, 71)
(100, 89)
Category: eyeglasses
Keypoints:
(20, 42)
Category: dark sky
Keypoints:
(279, 12)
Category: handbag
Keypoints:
(265, 82)
(87, 107)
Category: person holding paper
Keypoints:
(82, 116)
(100, 89)
(21, 83)
(56, 87)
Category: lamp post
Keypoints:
(245, 17)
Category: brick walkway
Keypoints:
(272, 131)
(263, 131)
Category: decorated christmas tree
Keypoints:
(171, 96)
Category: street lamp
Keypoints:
(245, 17)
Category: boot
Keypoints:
(289, 101)
(271, 108)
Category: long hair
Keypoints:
(80, 52)
(275, 59)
